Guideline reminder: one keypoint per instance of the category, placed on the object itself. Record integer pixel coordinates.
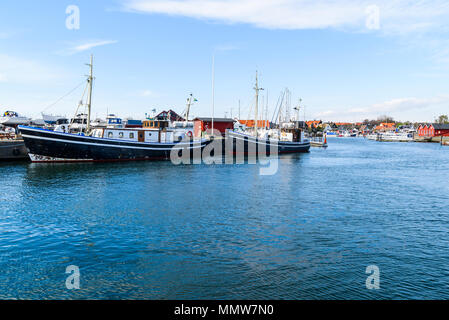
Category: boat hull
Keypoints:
(13, 150)
(14, 121)
(248, 145)
(48, 146)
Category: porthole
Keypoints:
(120, 135)
(110, 134)
(131, 135)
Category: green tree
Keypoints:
(442, 119)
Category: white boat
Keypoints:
(372, 136)
(12, 118)
(51, 119)
(396, 137)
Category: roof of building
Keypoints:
(173, 115)
(441, 126)
(250, 123)
(215, 119)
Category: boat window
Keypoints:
(131, 135)
(110, 134)
(120, 135)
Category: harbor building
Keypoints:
(433, 130)
(203, 124)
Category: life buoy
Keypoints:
(189, 134)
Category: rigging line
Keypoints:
(67, 94)
(273, 118)
(81, 103)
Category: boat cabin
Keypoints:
(112, 121)
(155, 124)
(162, 135)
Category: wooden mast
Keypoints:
(256, 111)
(89, 97)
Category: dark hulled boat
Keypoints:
(287, 138)
(104, 145)
(250, 145)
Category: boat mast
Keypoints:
(266, 114)
(213, 92)
(256, 111)
(89, 97)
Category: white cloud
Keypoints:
(403, 104)
(396, 17)
(146, 93)
(400, 107)
(86, 46)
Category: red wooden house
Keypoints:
(203, 124)
(433, 130)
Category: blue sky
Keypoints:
(152, 54)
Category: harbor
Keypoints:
(224, 159)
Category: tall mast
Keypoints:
(256, 111)
(213, 92)
(89, 97)
(266, 113)
(239, 110)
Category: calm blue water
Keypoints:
(156, 231)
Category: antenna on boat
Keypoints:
(297, 110)
(256, 111)
(89, 97)
(190, 101)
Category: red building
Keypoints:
(433, 130)
(203, 124)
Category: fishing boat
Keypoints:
(104, 144)
(12, 118)
(287, 138)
